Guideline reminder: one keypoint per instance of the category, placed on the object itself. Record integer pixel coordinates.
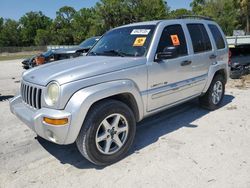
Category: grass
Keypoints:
(12, 57)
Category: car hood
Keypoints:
(79, 68)
(67, 50)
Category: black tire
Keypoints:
(206, 100)
(86, 140)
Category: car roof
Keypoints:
(155, 22)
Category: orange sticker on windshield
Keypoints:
(139, 41)
(175, 40)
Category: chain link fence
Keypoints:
(22, 49)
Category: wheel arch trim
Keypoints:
(82, 100)
(215, 69)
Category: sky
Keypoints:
(14, 9)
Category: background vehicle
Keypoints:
(132, 72)
(240, 61)
(240, 55)
(59, 54)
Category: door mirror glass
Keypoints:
(168, 53)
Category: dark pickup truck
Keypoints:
(59, 54)
(240, 61)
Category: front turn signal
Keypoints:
(57, 122)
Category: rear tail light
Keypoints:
(229, 57)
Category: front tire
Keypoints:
(215, 94)
(107, 132)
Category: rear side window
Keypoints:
(199, 37)
(220, 43)
(173, 35)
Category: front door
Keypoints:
(169, 80)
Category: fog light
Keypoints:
(57, 122)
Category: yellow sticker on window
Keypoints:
(175, 40)
(139, 41)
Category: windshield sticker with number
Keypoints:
(140, 31)
(175, 40)
(139, 41)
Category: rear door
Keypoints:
(203, 54)
(220, 44)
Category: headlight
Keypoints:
(52, 94)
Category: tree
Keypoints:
(244, 7)
(82, 24)
(30, 23)
(43, 37)
(146, 10)
(1, 23)
(198, 6)
(225, 13)
(10, 33)
(113, 13)
(180, 12)
(62, 26)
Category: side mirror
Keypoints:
(168, 53)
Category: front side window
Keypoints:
(220, 44)
(199, 37)
(131, 41)
(173, 35)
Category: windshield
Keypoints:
(88, 43)
(48, 53)
(131, 41)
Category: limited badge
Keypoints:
(139, 41)
(175, 40)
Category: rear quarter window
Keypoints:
(200, 39)
(219, 41)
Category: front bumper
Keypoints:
(33, 118)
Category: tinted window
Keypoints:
(131, 41)
(173, 36)
(217, 36)
(199, 38)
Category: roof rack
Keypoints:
(195, 17)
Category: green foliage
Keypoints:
(30, 23)
(43, 37)
(82, 24)
(10, 33)
(180, 12)
(224, 12)
(62, 30)
(113, 13)
(72, 27)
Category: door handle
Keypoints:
(213, 56)
(185, 63)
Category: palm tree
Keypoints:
(245, 8)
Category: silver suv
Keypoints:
(132, 72)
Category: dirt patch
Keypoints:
(242, 83)
(232, 107)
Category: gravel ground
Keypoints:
(182, 147)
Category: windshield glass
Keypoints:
(88, 43)
(131, 41)
(48, 53)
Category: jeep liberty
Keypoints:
(132, 72)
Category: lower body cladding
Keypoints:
(39, 120)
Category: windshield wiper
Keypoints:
(115, 52)
(94, 53)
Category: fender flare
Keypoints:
(220, 66)
(82, 100)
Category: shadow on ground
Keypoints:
(148, 132)
(5, 97)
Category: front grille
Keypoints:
(31, 95)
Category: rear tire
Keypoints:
(107, 132)
(215, 93)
